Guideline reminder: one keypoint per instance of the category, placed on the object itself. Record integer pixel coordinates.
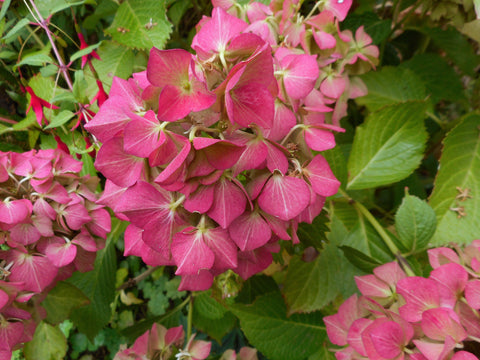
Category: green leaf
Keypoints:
(83, 52)
(256, 286)
(268, 329)
(215, 328)
(309, 286)
(324, 353)
(440, 79)
(415, 223)
(61, 118)
(88, 167)
(49, 7)
(206, 306)
(458, 49)
(359, 259)
(389, 86)
(338, 163)
(29, 120)
(99, 286)
(377, 28)
(365, 239)
(48, 343)
(141, 24)
(19, 26)
(314, 234)
(459, 171)
(177, 10)
(388, 146)
(4, 8)
(80, 86)
(472, 28)
(61, 300)
(35, 59)
(346, 277)
(104, 9)
(117, 60)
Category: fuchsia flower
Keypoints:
(50, 227)
(37, 104)
(87, 57)
(400, 317)
(210, 155)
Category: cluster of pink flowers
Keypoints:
(411, 317)
(213, 157)
(162, 344)
(50, 226)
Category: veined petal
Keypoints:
(284, 196)
(250, 231)
(190, 252)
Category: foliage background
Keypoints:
(408, 163)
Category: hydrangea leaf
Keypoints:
(61, 300)
(117, 60)
(211, 317)
(141, 24)
(456, 193)
(99, 286)
(391, 85)
(206, 306)
(256, 286)
(309, 286)
(440, 79)
(49, 7)
(388, 146)
(48, 343)
(456, 46)
(415, 223)
(268, 329)
(365, 239)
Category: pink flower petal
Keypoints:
(198, 282)
(61, 254)
(218, 240)
(35, 271)
(321, 177)
(168, 67)
(284, 197)
(121, 168)
(440, 256)
(251, 103)
(439, 323)
(250, 231)
(472, 293)
(301, 73)
(229, 203)
(215, 34)
(142, 135)
(370, 285)
(201, 200)
(420, 294)
(13, 212)
(319, 139)
(190, 252)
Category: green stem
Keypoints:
(190, 317)
(371, 219)
(379, 228)
(381, 231)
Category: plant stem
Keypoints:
(44, 25)
(371, 219)
(137, 279)
(9, 121)
(190, 317)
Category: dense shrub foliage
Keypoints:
(234, 179)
